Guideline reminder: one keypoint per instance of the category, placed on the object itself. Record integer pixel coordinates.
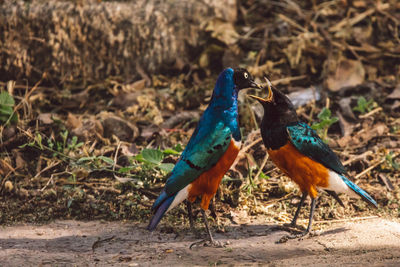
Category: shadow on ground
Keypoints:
(121, 243)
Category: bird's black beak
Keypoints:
(255, 85)
(270, 96)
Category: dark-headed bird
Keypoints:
(299, 152)
(210, 152)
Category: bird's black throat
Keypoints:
(278, 114)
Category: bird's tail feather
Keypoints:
(364, 195)
(161, 198)
(161, 209)
(335, 196)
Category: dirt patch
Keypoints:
(65, 243)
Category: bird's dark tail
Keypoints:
(335, 196)
(159, 212)
(364, 195)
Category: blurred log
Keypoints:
(90, 41)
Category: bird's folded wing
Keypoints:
(307, 141)
(205, 148)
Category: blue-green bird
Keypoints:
(211, 150)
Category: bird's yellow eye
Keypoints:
(246, 75)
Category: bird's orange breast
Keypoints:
(304, 171)
(207, 183)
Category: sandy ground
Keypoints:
(75, 243)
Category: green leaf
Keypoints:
(316, 126)
(152, 155)
(70, 202)
(325, 122)
(74, 143)
(361, 101)
(324, 114)
(125, 169)
(50, 143)
(167, 167)
(140, 158)
(79, 145)
(59, 146)
(14, 118)
(264, 176)
(363, 105)
(39, 140)
(334, 120)
(391, 161)
(106, 160)
(178, 148)
(64, 135)
(170, 151)
(83, 159)
(7, 113)
(74, 140)
(6, 100)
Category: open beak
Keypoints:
(255, 85)
(270, 96)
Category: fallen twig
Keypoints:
(289, 79)
(262, 166)
(372, 112)
(350, 22)
(251, 144)
(358, 157)
(279, 199)
(46, 168)
(373, 166)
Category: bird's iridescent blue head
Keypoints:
(230, 82)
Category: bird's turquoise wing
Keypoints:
(307, 141)
(205, 148)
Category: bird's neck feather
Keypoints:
(225, 107)
(224, 98)
(278, 117)
(274, 125)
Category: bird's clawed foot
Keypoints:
(208, 243)
(293, 229)
(299, 236)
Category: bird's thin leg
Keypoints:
(211, 240)
(190, 215)
(313, 203)
(206, 224)
(303, 197)
(211, 207)
(287, 237)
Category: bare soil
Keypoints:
(76, 243)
